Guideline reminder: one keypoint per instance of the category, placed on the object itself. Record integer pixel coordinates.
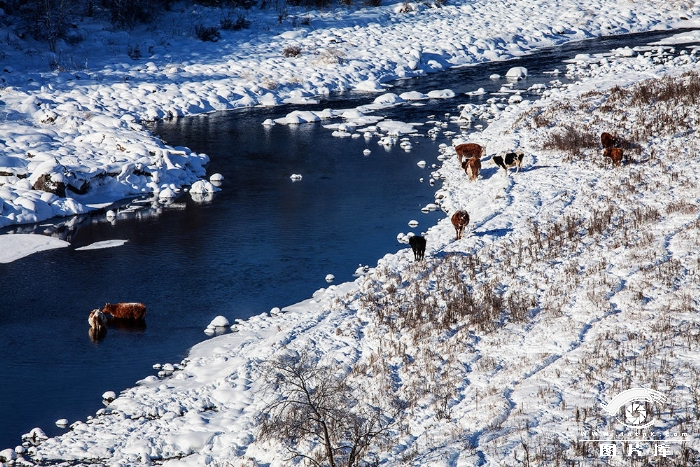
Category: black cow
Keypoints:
(510, 159)
(417, 243)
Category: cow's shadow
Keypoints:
(530, 168)
(489, 172)
(493, 232)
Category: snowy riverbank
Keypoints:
(575, 282)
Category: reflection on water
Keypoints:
(130, 210)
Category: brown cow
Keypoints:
(134, 311)
(460, 219)
(468, 150)
(98, 325)
(97, 319)
(607, 140)
(615, 154)
(471, 167)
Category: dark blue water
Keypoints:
(262, 242)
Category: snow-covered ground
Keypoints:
(575, 282)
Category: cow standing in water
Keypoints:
(122, 315)
(131, 311)
(98, 325)
(460, 219)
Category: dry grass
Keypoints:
(291, 51)
(428, 314)
(649, 109)
(571, 139)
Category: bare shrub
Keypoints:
(682, 207)
(661, 106)
(330, 56)
(519, 307)
(127, 13)
(653, 108)
(600, 220)
(541, 120)
(310, 3)
(269, 84)
(228, 24)
(571, 139)
(134, 52)
(679, 90)
(207, 33)
(406, 8)
(291, 51)
(317, 415)
(47, 20)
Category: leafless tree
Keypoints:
(317, 415)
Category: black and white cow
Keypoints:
(510, 159)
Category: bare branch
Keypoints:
(317, 411)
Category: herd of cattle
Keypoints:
(469, 156)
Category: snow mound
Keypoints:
(369, 85)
